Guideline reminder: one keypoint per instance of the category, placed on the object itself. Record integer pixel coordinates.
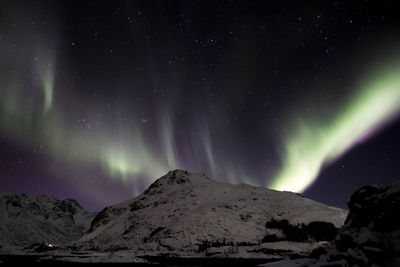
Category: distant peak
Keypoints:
(174, 177)
(177, 177)
(177, 172)
(182, 176)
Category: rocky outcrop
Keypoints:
(314, 231)
(187, 214)
(26, 220)
(369, 237)
(372, 228)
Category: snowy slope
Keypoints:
(188, 213)
(27, 220)
(369, 237)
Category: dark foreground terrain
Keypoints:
(37, 260)
(187, 219)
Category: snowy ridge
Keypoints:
(369, 237)
(26, 220)
(188, 213)
(189, 219)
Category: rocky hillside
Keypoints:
(369, 237)
(27, 220)
(188, 219)
(189, 214)
(371, 233)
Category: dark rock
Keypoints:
(101, 218)
(270, 238)
(374, 254)
(370, 235)
(158, 229)
(371, 225)
(318, 251)
(44, 219)
(136, 206)
(321, 231)
(371, 230)
(373, 207)
(177, 177)
(314, 231)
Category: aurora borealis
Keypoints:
(315, 144)
(99, 99)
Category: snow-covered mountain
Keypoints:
(189, 214)
(188, 218)
(26, 220)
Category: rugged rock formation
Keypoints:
(370, 235)
(45, 219)
(372, 229)
(186, 213)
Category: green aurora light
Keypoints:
(39, 111)
(317, 143)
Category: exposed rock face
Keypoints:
(26, 220)
(372, 228)
(188, 213)
(370, 235)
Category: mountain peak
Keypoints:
(183, 210)
(176, 177)
(179, 176)
(26, 220)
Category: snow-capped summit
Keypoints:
(189, 213)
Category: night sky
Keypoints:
(100, 98)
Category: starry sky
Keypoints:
(100, 98)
